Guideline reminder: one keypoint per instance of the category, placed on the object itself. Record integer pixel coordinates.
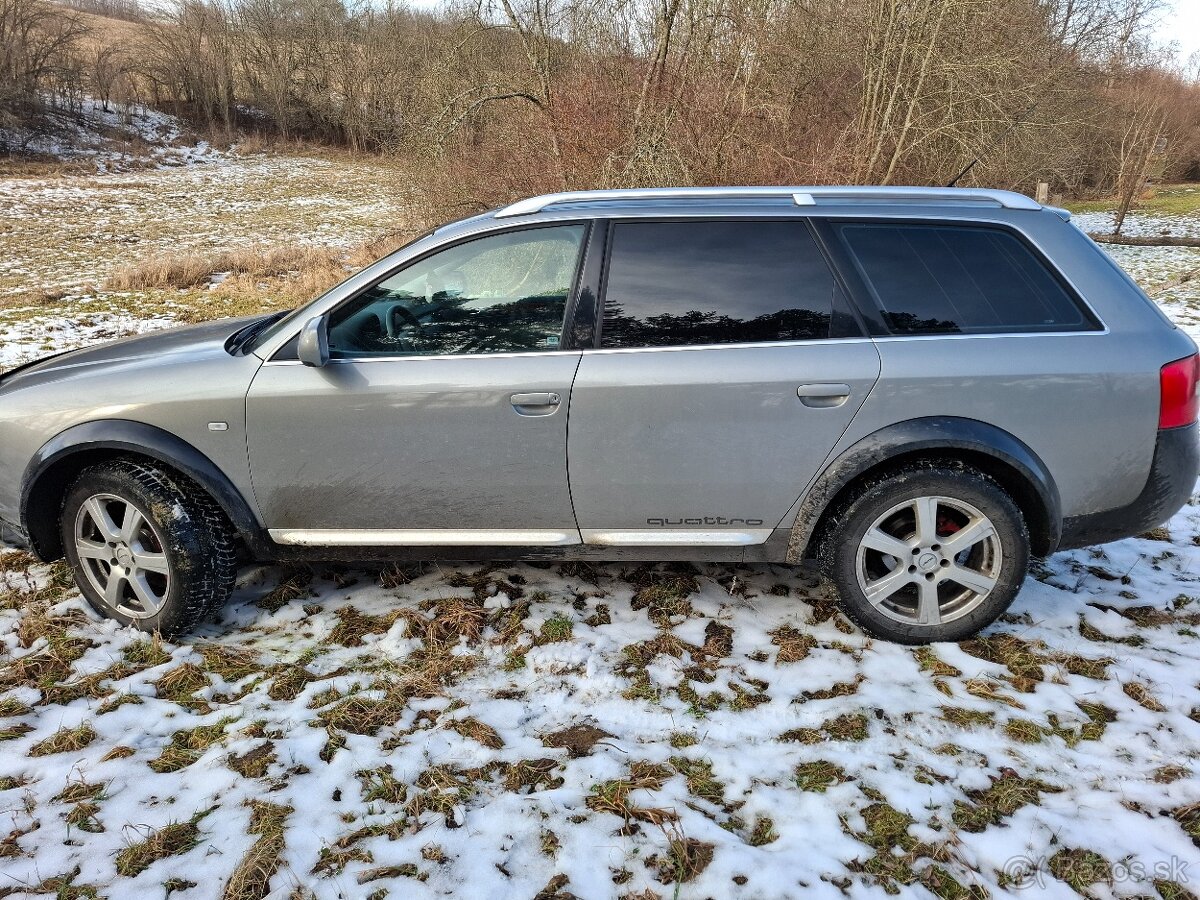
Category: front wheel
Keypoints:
(146, 547)
(929, 554)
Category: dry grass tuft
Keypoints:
(686, 858)
(231, 663)
(819, 775)
(353, 625)
(65, 740)
(477, 731)
(186, 270)
(189, 745)
(254, 763)
(793, 645)
(251, 880)
(1008, 793)
(181, 683)
(578, 740)
(1141, 695)
(146, 654)
(170, 840)
(848, 727)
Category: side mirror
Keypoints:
(313, 349)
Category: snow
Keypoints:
(1110, 632)
(113, 136)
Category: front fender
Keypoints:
(60, 459)
(1002, 455)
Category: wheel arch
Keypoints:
(991, 449)
(60, 460)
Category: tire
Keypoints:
(917, 595)
(176, 567)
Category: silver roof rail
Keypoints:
(801, 196)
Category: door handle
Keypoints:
(823, 396)
(534, 400)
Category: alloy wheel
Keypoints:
(929, 560)
(122, 555)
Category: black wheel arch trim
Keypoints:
(135, 438)
(929, 436)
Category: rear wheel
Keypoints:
(147, 548)
(929, 554)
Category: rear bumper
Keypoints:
(1169, 486)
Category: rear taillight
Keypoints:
(1177, 392)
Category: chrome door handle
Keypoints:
(546, 401)
(823, 396)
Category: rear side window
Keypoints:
(946, 279)
(729, 282)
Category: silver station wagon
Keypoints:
(915, 389)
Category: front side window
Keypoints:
(729, 282)
(950, 279)
(501, 293)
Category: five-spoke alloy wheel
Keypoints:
(929, 553)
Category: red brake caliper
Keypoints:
(946, 526)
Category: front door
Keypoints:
(441, 417)
(729, 367)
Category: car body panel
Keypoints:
(412, 443)
(706, 439)
(179, 380)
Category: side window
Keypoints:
(947, 279)
(503, 292)
(682, 283)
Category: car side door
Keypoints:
(727, 367)
(441, 415)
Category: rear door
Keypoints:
(728, 367)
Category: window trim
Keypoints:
(286, 354)
(872, 311)
(611, 222)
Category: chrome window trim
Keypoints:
(508, 354)
(674, 348)
(422, 537)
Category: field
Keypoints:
(568, 730)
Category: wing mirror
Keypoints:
(313, 348)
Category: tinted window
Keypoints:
(936, 279)
(504, 292)
(672, 283)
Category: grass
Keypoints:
(1167, 200)
(819, 775)
(251, 879)
(188, 745)
(170, 840)
(65, 740)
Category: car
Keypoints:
(916, 390)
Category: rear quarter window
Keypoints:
(950, 279)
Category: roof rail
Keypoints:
(801, 196)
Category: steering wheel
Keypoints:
(397, 318)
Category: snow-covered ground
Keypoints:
(112, 136)
(64, 235)
(610, 731)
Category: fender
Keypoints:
(1002, 455)
(47, 473)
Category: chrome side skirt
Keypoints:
(481, 537)
(418, 537)
(674, 536)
